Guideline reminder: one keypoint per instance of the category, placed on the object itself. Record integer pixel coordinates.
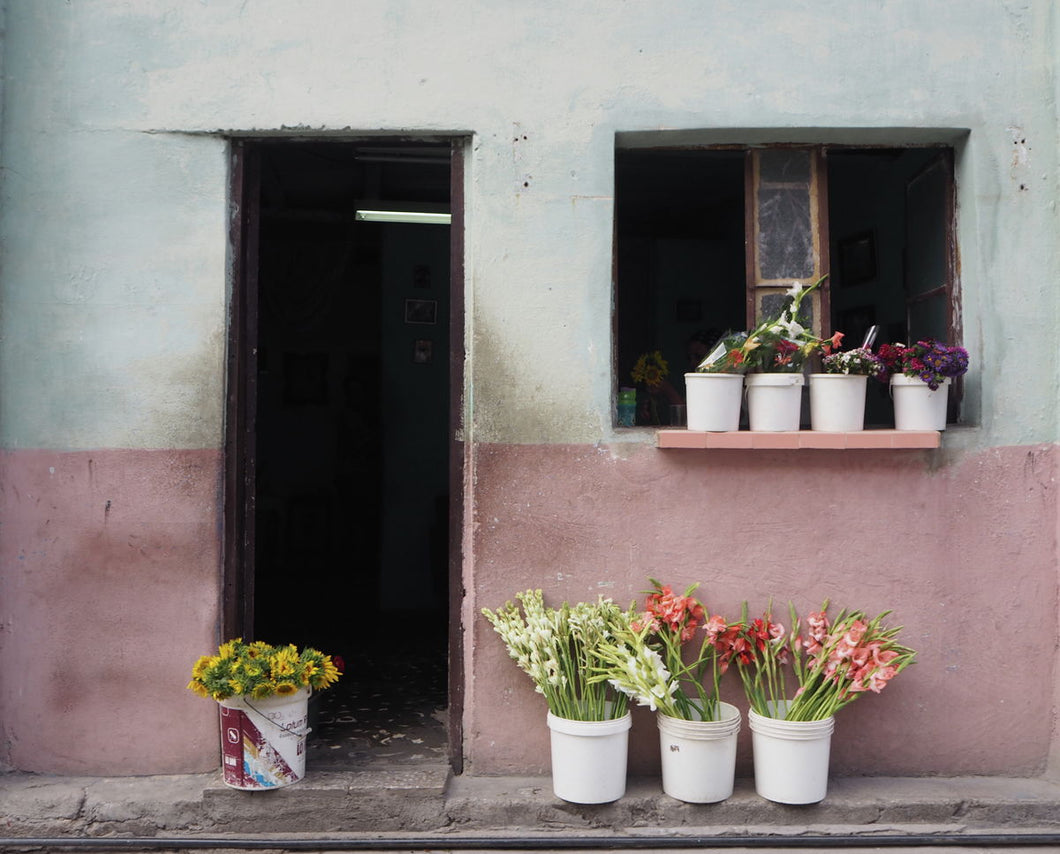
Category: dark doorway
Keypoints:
(341, 442)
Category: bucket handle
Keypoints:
(279, 726)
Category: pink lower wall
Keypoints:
(109, 590)
(960, 545)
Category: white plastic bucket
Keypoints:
(589, 758)
(837, 402)
(774, 401)
(713, 401)
(791, 758)
(916, 405)
(263, 741)
(699, 757)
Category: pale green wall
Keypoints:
(114, 219)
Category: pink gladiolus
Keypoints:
(818, 625)
(714, 627)
(834, 662)
(680, 613)
(879, 678)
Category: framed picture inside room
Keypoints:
(857, 259)
(422, 351)
(421, 311)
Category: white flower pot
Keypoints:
(263, 741)
(837, 402)
(589, 759)
(916, 405)
(699, 757)
(774, 401)
(713, 401)
(791, 758)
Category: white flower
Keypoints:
(794, 290)
(792, 327)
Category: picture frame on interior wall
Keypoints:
(421, 311)
(423, 351)
(857, 259)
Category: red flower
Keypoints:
(832, 343)
(681, 614)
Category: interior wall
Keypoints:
(353, 397)
(414, 418)
(317, 426)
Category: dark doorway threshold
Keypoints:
(390, 706)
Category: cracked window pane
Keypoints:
(781, 166)
(785, 236)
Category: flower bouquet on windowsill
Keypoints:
(778, 344)
(928, 361)
(588, 720)
(771, 356)
(651, 370)
(263, 695)
(919, 375)
(837, 396)
(857, 362)
(834, 663)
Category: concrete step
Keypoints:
(427, 802)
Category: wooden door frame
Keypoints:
(237, 580)
(457, 450)
(237, 613)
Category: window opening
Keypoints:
(708, 239)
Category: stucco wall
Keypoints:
(113, 291)
(958, 545)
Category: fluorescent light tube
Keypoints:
(404, 216)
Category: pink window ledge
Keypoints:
(796, 440)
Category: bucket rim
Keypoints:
(569, 726)
(274, 701)
(726, 375)
(775, 379)
(699, 730)
(731, 712)
(793, 730)
(814, 377)
(903, 380)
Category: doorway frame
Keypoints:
(240, 450)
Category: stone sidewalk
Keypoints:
(429, 804)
